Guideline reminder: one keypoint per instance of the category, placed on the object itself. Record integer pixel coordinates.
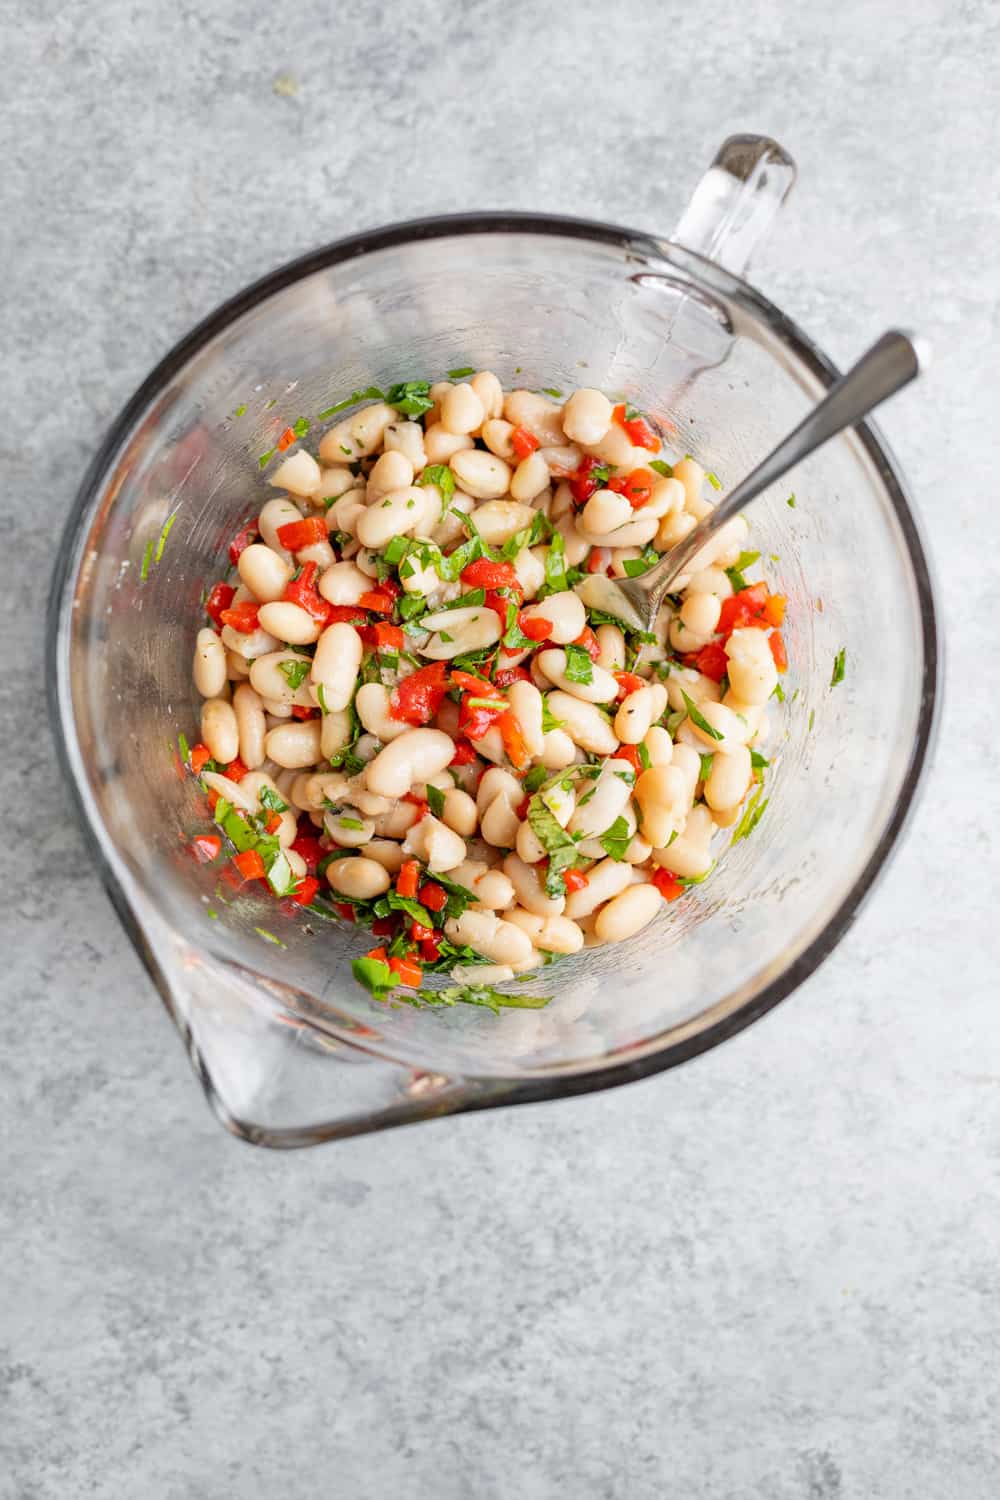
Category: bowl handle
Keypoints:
(737, 200)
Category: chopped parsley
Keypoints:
(839, 666)
(411, 397)
(751, 817)
(162, 539)
(268, 797)
(301, 426)
(706, 767)
(435, 800)
(648, 558)
(555, 566)
(616, 839)
(553, 391)
(557, 843)
(295, 672)
(660, 467)
(735, 573)
(265, 458)
(147, 558)
(484, 994)
(791, 501)
(442, 476)
(461, 373)
(713, 480)
(370, 393)
(374, 975)
(758, 761)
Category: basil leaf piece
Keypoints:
(706, 767)
(698, 718)
(410, 397)
(556, 842)
(579, 667)
(555, 566)
(839, 667)
(661, 467)
(484, 994)
(374, 975)
(751, 817)
(270, 798)
(616, 839)
(295, 672)
(370, 393)
(435, 800)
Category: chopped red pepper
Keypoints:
(523, 442)
(206, 847)
(418, 697)
(300, 711)
(498, 602)
(306, 890)
(430, 949)
(636, 429)
(711, 661)
(388, 637)
(420, 932)
(250, 865)
(391, 587)
(631, 754)
(303, 592)
(581, 482)
(241, 541)
(743, 609)
(345, 614)
(298, 534)
(418, 802)
(521, 810)
(535, 627)
(286, 439)
(308, 846)
(242, 616)
(377, 602)
(668, 885)
(774, 609)
(408, 878)
(588, 640)
(639, 486)
(235, 770)
(220, 598)
(470, 683)
(433, 896)
(513, 741)
(628, 683)
(777, 644)
(199, 755)
(475, 721)
(464, 754)
(379, 954)
(345, 910)
(385, 926)
(273, 823)
(575, 880)
(491, 575)
(408, 972)
(507, 675)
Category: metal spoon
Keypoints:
(889, 365)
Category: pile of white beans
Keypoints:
(363, 483)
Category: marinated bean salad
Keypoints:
(411, 720)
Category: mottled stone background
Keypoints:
(771, 1274)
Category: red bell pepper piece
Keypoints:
(470, 683)
(575, 880)
(378, 953)
(250, 865)
(507, 675)
(220, 597)
(346, 910)
(598, 559)
(433, 896)
(286, 439)
(711, 661)
(535, 627)
(298, 534)
(668, 885)
(242, 540)
(418, 697)
(242, 616)
(628, 683)
(235, 770)
(491, 575)
(430, 949)
(636, 429)
(306, 890)
(523, 443)
(408, 879)
(420, 932)
(206, 847)
(385, 926)
(376, 601)
(588, 640)
(308, 846)
(631, 754)
(464, 754)
(388, 637)
(345, 614)
(581, 482)
(777, 644)
(408, 972)
(513, 741)
(639, 486)
(743, 609)
(303, 592)
(199, 755)
(774, 609)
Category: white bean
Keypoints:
(604, 880)
(209, 668)
(526, 705)
(635, 533)
(752, 673)
(219, 730)
(635, 716)
(439, 847)
(602, 687)
(482, 475)
(490, 392)
(372, 705)
(498, 520)
(565, 614)
(335, 664)
(496, 782)
(730, 729)
(459, 812)
(237, 667)
(335, 482)
(490, 936)
(469, 629)
(264, 572)
(357, 436)
(594, 814)
(344, 513)
(673, 528)
(558, 750)
(663, 794)
(614, 448)
(232, 791)
(461, 409)
(298, 473)
(414, 756)
(690, 855)
(584, 723)
(586, 416)
(666, 498)
(659, 745)
(692, 476)
(397, 822)
(700, 612)
(340, 825)
(334, 731)
(387, 852)
(289, 622)
(541, 417)
(710, 581)
(267, 678)
(499, 824)
(604, 512)
(398, 513)
(528, 846)
(530, 477)
(559, 935)
(358, 876)
(390, 471)
(441, 446)
(295, 744)
(251, 725)
(529, 888)
(497, 437)
(274, 514)
(728, 779)
(627, 913)
(343, 583)
(407, 438)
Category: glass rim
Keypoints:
(659, 1052)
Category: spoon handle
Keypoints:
(888, 366)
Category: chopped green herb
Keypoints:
(660, 467)
(459, 896)
(706, 767)
(751, 817)
(644, 757)
(162, 541)
(556, 842)
(674, 721)
(354, 823)
(295, 672)
(553, 391)
(435, 800)
(461, 373)
(483, 994)
(616, 839)
(147, 558)
(410, 397)
(839, 666)
(265, 458)
(528, 536)
(442, 476)
(268, 797)
(779, 692)
(184, 748)
(735, 573)
(698, 718)
(240, 410)
(273, 402)
(534, 779)
(370, 393)
(758, 761)
(812, 719)
(549, 721)
(555, 566)
(321, 699)
(713, 480)
(301, 426)
(345, 449)
(471, 600)
(634, 566)
(579, 667)
(791, 501)
(210, 912)
(374, 975)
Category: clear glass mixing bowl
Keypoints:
(289, 1049)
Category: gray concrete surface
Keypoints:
(770, 1274)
